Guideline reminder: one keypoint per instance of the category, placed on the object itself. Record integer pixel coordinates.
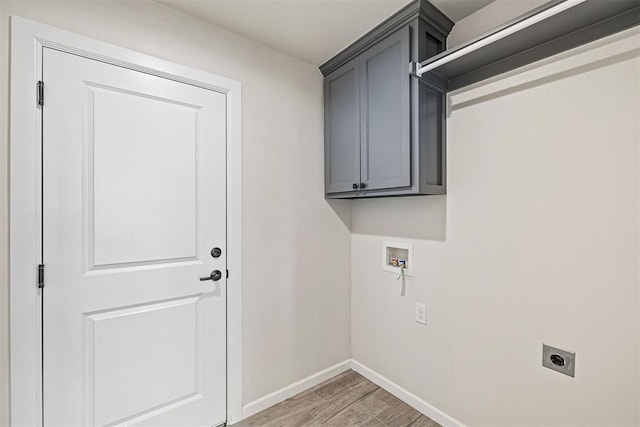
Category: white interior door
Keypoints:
(134, 202)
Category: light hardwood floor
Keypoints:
(348, 399)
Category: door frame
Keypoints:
(28, 38)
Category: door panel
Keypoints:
(131, 207)
(160, 364)
(342, 129)
(134, 200)
(385, 134)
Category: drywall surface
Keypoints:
(296, 249)
(536, 241)
(4, 224)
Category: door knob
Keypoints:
(355, 186)
(362, 185)
(215, 276)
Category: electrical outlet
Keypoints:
(421, 313)
(559, 360)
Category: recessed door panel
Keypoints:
(143, 167)
(385, 92)
(153, 348)
(342, 129)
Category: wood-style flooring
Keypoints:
(348, 399)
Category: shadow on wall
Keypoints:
(541, 81)
(342, 208)
(420, 217)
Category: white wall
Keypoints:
(296, 249)
(4, 214)
(536, 241)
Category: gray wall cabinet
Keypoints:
(384, 128)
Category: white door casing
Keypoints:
(138, 293)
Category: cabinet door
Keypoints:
(385, 113)
(342, 129)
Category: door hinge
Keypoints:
(40, 276)
(227, 274)
(40, 93)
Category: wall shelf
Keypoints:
(575, 26)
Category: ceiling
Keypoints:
(312, 30)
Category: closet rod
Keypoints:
(425, 66)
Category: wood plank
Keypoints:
(399, 414)
(339, 384)
(424, 421)
(360, 412)
(347, 399)
(341, 401)
(302, 402)
(374, 422)
(385, 396)
(299, 419)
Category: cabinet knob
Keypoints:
(355, 186)
(362, 185)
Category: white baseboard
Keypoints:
(406, 396)
(409, 398)
(293, 389)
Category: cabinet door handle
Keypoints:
(362, 185)
(355, 186)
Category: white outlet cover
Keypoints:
(421, 313)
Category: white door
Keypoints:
(134, 202)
